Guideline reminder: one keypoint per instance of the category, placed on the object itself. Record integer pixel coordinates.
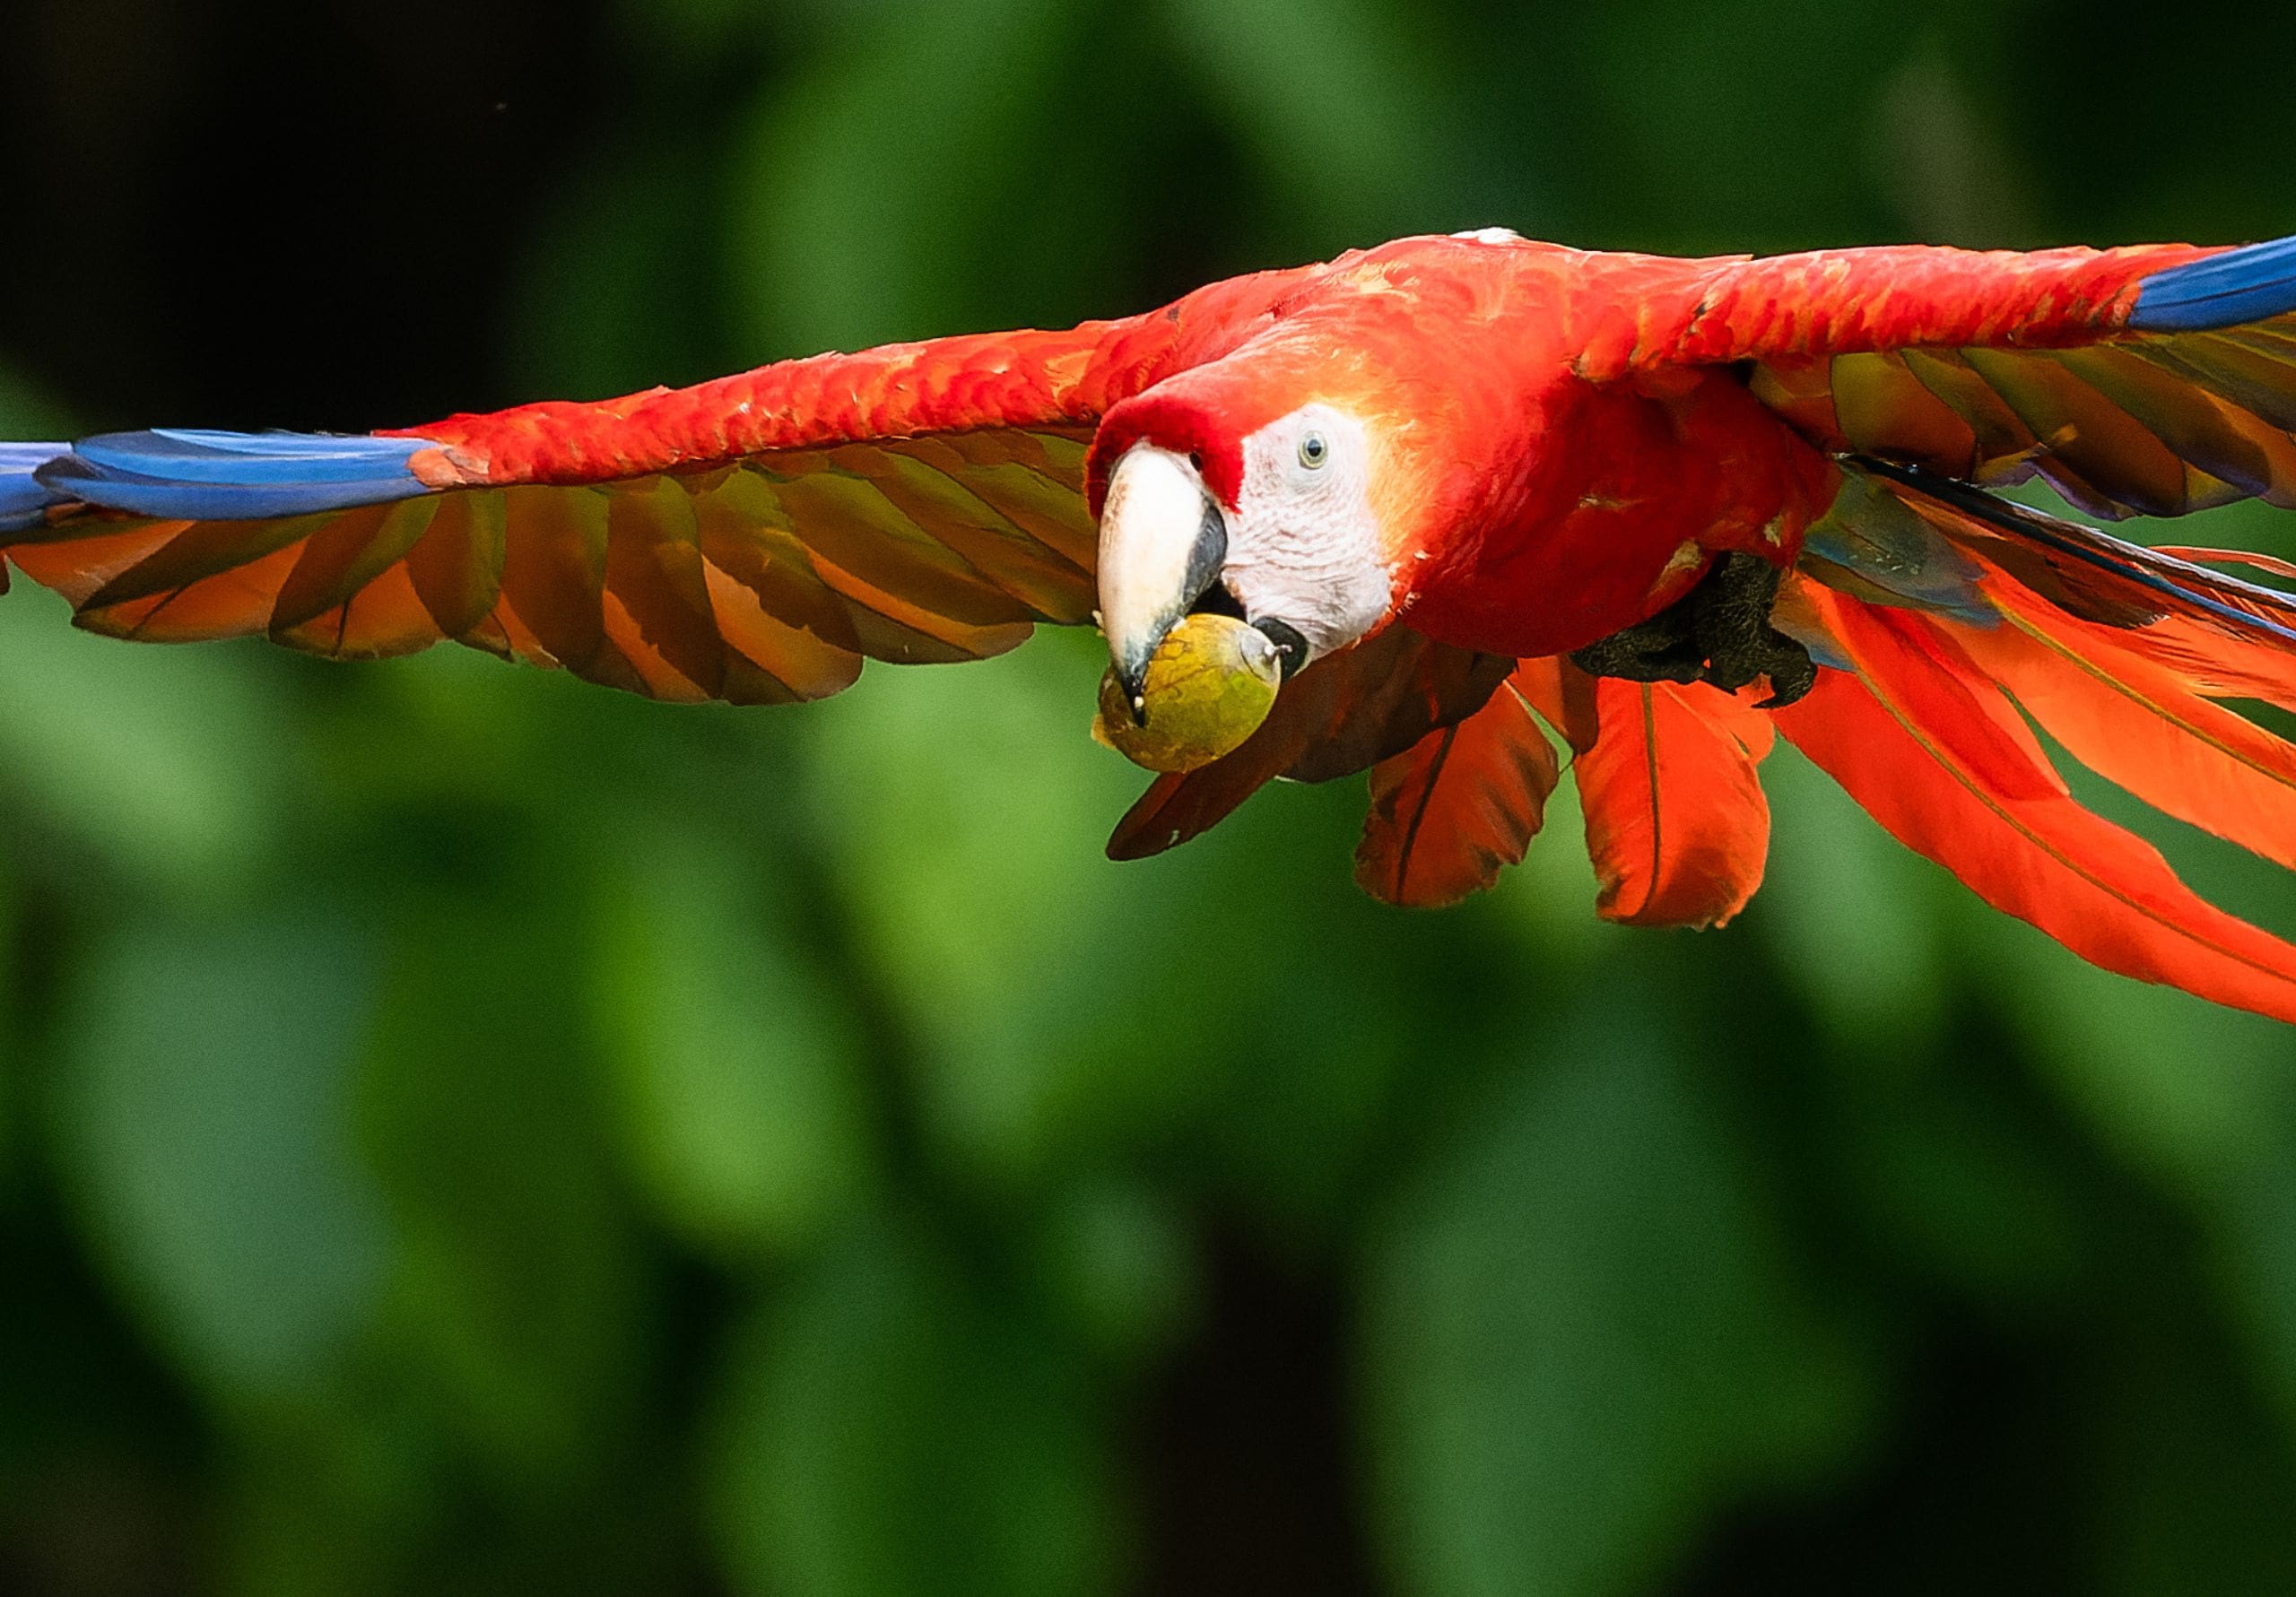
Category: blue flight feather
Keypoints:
(2220, 291)
(23, 501)
(232, 476)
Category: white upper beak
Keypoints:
(1163, 542)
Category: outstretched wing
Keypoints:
(2146, 381)
(750, 539)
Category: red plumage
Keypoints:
(2142, 727)
(1675, 818)
(1559, 450)
(1921, 740)
(1462, 804)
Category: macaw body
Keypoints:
(1472, 488)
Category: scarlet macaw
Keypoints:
(1464, 485)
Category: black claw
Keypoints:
(1718, 632)
(1791, 680)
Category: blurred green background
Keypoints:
(463, 1130)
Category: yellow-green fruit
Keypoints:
(1210, 683)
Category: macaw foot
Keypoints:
(1718, 632)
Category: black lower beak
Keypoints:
(1291, 648)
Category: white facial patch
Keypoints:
(1303, 545)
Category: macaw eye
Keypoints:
(1313, 451)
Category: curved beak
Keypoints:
(1163, 542)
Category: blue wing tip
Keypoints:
(24, 500)
(182, 475)
(2219, 290)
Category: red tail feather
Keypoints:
(2141, 726)
(1460, 805)
(1891, 735)
(1675, 818)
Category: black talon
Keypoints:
(1718, 632)
(1791, 671)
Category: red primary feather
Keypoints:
(1896, 735)
(1944, 692)
(1461, 804)
(2142, 727)
(1677, 822)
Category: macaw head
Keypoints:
(1271, 489)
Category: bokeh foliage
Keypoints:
(464, 1131)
